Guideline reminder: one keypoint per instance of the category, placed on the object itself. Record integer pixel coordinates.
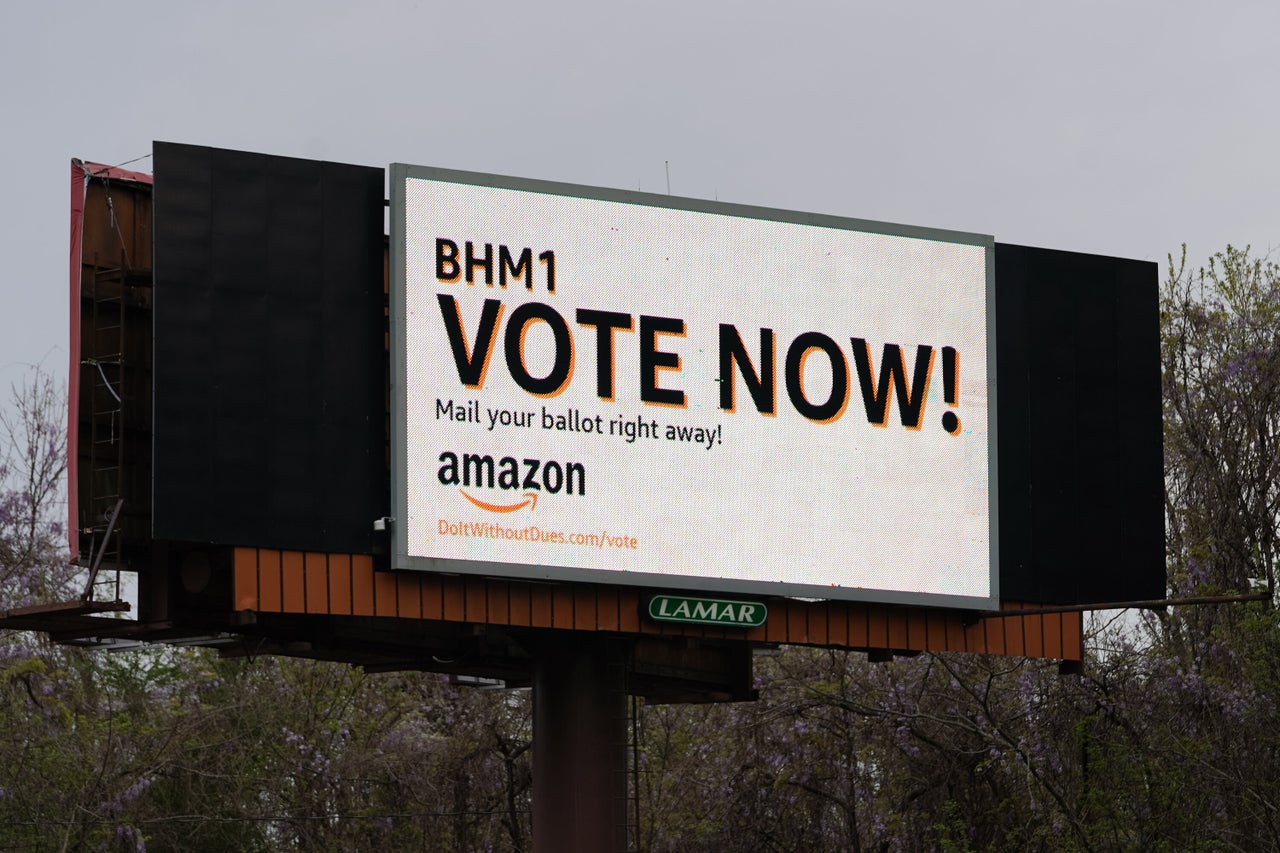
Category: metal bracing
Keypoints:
(102, 372)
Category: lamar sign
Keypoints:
(707, 611)
(602, 386)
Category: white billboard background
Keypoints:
(838, 508)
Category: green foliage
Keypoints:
(953, 830)
(180, 750)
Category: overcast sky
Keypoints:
(1108, 127)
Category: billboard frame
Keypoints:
(399, 174)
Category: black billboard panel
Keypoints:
(270, 367)
(1079, 431)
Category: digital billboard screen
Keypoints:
(606, 386)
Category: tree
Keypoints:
(33, 461)
(1221, 373)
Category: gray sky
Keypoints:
(1108, 127)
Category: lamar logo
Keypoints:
(707, 611)
(531, 476)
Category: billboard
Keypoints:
(268, 351)
(621, 387)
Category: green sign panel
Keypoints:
(707, 611)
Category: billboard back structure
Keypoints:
(623, 387)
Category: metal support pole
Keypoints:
(579, 745)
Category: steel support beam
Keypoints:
(579, 745)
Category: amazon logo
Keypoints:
(529, 477)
